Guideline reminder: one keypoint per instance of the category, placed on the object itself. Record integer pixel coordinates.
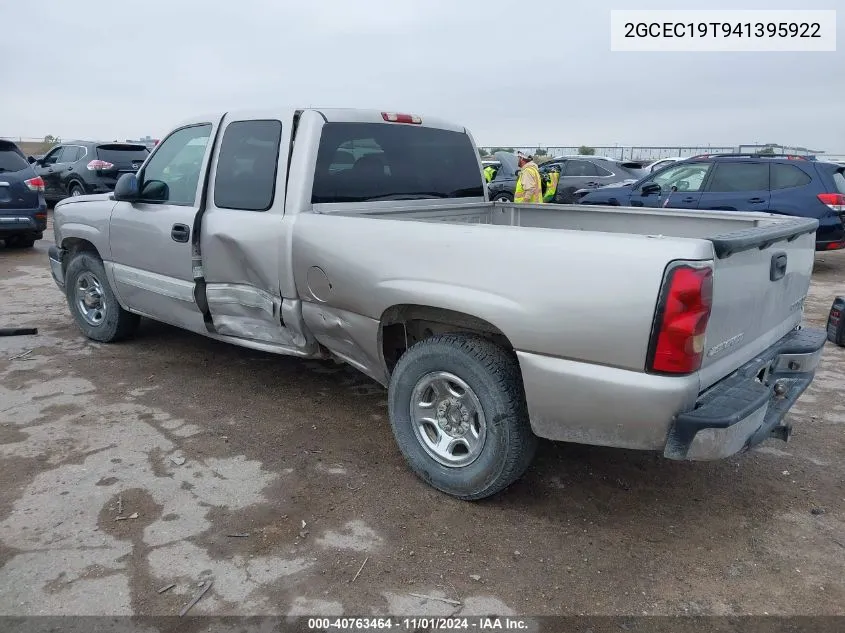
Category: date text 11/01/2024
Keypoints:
(415, 624)
(723, 29)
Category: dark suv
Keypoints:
(23, 211)
(76, 168)
(786, 185)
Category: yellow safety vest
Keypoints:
(520, 195)
(488, 173)
(551, 186)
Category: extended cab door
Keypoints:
(150, 239)
(737, 186)
(243, 236)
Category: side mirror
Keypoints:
(650, 188)
(127, 188)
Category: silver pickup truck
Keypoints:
(369, 237)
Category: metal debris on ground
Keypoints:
(22, 356)
(303, 533)
(196, 598)
(167, 588)
(360, 569)
(241, 535)
(475, 577)
(817, 511)
(120, 504)
(446, 600)
(134, 515)
(177, 460)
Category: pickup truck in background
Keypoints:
(370, 237)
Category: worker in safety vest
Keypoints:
(529, 184)
(489, 172)
(551, 181)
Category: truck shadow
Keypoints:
(348, 413)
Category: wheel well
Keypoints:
(75, 182)
(404, 325)
(73, 245)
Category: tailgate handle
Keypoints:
(778, 269)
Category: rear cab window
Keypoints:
(361, 162)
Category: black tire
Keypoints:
(494, 377)
(116, 323)
(503, 197)
(76, 190)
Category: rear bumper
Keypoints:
(748, 406)
(25, 221)
(579, 402)
(56, 268)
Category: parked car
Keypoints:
(23, 210)
(77, 168)
(489, 324)
(660, 163)
(785, 185)
(575, 173)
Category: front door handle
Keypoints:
(180, 233)
(688, 199)
(756, 200)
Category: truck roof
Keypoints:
(351, 115)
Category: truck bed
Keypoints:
(612, 257)
(602, 219)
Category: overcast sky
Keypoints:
(94, 69)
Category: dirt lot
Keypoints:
(291, 481)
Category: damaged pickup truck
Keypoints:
(370, 237)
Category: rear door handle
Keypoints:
(756, 200)
(180, 233)
(688, 199)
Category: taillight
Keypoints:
(834, 246)
(836, 201)
(96, 165)
(35, 184)
(392, 117)
(677, 343)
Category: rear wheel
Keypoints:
(503, 197)
(92, 302)
(458, 413)
(76, 190)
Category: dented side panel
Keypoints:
(244, 254)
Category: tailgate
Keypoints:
(760, 281)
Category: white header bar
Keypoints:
(723, 31)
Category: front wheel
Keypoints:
(458, 413)
(93, 303)
(76, 190)
(503, 197)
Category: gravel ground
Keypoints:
(174, 459)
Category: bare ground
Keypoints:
(291, 481)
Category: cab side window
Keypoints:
(173, 172)
(245, 178)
